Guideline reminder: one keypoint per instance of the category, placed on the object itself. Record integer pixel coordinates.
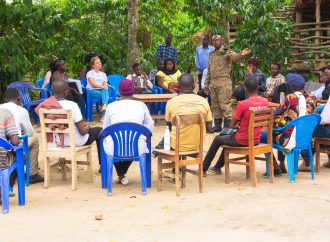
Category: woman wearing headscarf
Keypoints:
(168, 77)
(59, 72)
(296, 104)
(254, 72)
(126, 110)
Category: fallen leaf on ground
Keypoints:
(98, 216)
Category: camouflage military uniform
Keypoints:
(219, 81)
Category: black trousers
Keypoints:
(200, 81)
(94, 136)
(122, 167)
(216, 143)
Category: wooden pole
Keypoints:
(297, 34)
(318, 31)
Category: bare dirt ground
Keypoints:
(234, 212)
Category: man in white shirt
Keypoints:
(24, 126)
(323, 129)
(126, 110)
(84, 135)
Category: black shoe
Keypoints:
(277, 172)
(36, 179)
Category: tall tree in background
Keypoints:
(133, 55)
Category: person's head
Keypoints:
(217, 41)
(12, 95)
(186, 82)
(327, 72)
(137, 69)
(89, 57)
(96, 63)
(323, 77)
(275, 69)
(168, 39)
(251, 86)
(60, 89)
(205, 40)
(160, 64)
(253, 64)
(295, 81)
(169, 64)
(59, 65)
(126, 88)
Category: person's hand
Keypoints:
(206, 91)
(170, 90)
(245, 52)
(105, 85)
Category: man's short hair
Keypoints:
(186, 80)
(11, 94)
(251, 84)
(278, 65)
(216, 35)
(135, 65)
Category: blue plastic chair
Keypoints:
(125, 138)
(91, 101)
(305, 126)
(40, 82)
(5, 175)
(114, 81)
(27, 158)
(24, 89)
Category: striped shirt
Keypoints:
(7, 129)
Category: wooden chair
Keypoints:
(179, 159)
(66, 154)
(258, 119)
(318, 150)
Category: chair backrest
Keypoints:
(23, 89)
(188, 119)
(84, 82)
(125, 138)
(40, 82)
(49, 91)
(4, 144)
(114, 80)
(56, 121)
(261, 119)
(305, 126)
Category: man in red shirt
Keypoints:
(240, 120)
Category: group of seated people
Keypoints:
(297, 102)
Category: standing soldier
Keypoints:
(218, 81)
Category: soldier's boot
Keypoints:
(217, 125)
(226, 122)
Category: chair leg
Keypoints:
(317, 156)
(46, 171)
(253, 170)
(296, 160)
(4, 181)
(271, 166)
(177, 179)
(159, 174)
(143, 173)
(90, 166)
(74, 173)
(227, 176)
(200, 177)
(290, 160)
(248, 175)
(311, 162)
(20, 176)
(109, 174)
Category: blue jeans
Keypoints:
(103, 94)
(319, 109)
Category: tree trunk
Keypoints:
(133, 54)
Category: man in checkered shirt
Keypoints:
(166, 51)
(274, 80)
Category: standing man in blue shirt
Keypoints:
(167, 50)
(202, 58)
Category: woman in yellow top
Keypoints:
(168, 77)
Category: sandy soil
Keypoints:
(234, 212)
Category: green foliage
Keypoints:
(32, 34)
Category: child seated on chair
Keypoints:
(141, 82)
(126, 110)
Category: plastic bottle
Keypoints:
(167, 139)
(282, 96)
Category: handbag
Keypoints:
(227, 131)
